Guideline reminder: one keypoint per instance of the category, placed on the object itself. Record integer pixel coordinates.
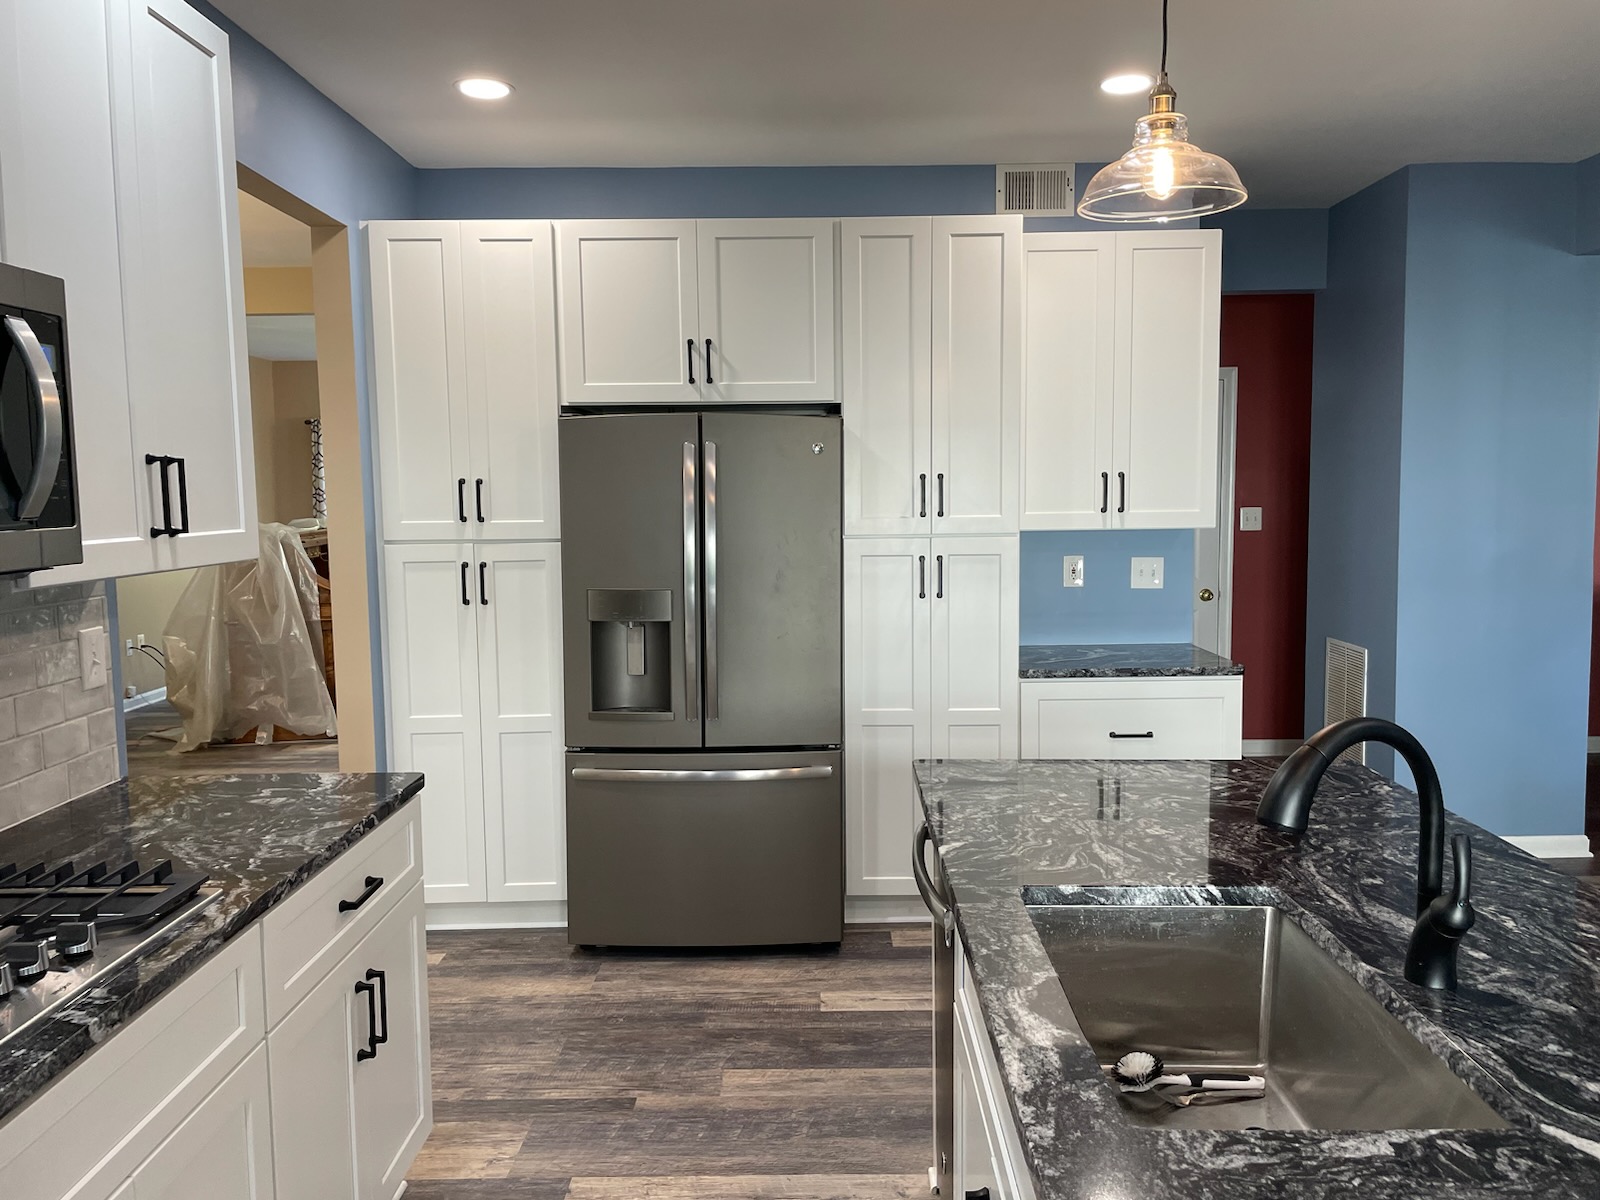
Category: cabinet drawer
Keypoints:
(1135, 719)
(86, 1133)
(309, 933)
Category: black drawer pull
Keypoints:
(1122, 491)
(922, 491)
(183, 496)
(708, 362)
(690, 355)
(922, 577)
(379, 1039)
(465, 568)
(461, 499)
(370, 1050)
(1147, 734)
(1105, 491)
(483, 583)
(479, 495)
(374, 882)
(978, 1194)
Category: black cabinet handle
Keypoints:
(483, 583)
(370, 1050)
(939, 562)
(1147, 734)
(465, 599)
(165, 529)
(374, 882)
(922, 495)
(183, 496)
(978, 1194)
(941, 493)
(922, 577)
(379, 1039)
(708, 362)
(461, 499)
(1105, 491)
(690, 355)
(1122, 491)
(479, 496)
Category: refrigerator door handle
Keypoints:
(657, 775)
(691, 582)
(713, 698)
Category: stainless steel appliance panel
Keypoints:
(630, 542)
(773, 579)
(705, 849)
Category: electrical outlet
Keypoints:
(1147, 573)
(139, 640)
(93, 653)
(1249, 520)
(129, 652)
(1072, 570)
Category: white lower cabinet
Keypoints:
(930, 641)
(988, 1148)
(1142, 718)
(223, 1150)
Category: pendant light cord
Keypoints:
(1164, 4)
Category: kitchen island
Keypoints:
(1523, 1031)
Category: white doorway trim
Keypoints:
(1216, 545)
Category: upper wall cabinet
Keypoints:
(686, 312)
(932, 349)
(1120, 406)
(463, 332)
(117, 174)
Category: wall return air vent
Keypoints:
(1034, 189)
(1345, 692)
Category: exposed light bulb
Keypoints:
(483, 89)
(1127, 85)
(1163, 178)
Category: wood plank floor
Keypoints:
(793, 1075)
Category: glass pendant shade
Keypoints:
(1165, 177)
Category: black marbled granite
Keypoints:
(1145, 659)
(1523, 1031)
(258, 836)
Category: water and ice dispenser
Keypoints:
(630, 663)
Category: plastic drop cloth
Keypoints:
(241, 654)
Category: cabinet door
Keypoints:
(393, 1090)
(766, 311)
(1169, 304)
(887, 638)
(432, 639)
(519, 624)
(975, 1171)
(223, 1150)
(183, 283)
(58, 214)
(630, 322)
(420, 379)
(977, 373)
(975, 596)
(886, 299)
(311, 1054)
(1069, 335)
(508, 292)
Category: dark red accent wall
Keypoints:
(1268, 337)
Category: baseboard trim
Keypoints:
(1566, 845)
(145, 699)
(1265, 747)
(552, 914)
(877, 910)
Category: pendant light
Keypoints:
(1165, 177)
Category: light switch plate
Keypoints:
(1147, 573)
(1072, 570)
(93, 655)
(1249, 520)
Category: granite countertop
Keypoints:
(258, 836)
(1145, 659)
(1523, 1031)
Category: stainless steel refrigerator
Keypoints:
(701, 577)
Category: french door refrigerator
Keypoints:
(701, 576)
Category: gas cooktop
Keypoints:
(62, 927)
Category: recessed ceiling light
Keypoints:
(483, 89)
(1127, 85)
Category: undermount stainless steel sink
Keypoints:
(1246, 988)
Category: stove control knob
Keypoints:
(29, 961)
(8, 981)
(76, 939)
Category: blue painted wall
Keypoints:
(1588, 183)
(1498, 434)
(1105, 608)
(1273, 249)
(1357, 378)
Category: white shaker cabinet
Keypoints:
(930, 642)
(464, 369)
(223, 1150)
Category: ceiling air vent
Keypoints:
(1345, 693)
(1034, 189)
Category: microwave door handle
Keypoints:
(48, 444)
(713, 688)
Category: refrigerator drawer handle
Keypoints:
(713, 685)
(691, 579)
(654, 775)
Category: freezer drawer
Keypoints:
(705, 849)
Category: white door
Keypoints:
(1169, 306)
(508, 292)
(58, 214)
(311, 1054)
(977, 373)
(887, 638)
(630, 321)
(524, 795)
(420, 380)
(975, 599)
(183, 282)
(431, 630)
(223, 1150)
(766, 311)
(393, 1090)
(886, 298)
(1213, 547)
(1069, 335)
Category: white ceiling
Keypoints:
(271, 238)
(1311, 99)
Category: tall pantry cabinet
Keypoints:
(465, 402)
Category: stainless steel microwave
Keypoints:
(39, 524)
